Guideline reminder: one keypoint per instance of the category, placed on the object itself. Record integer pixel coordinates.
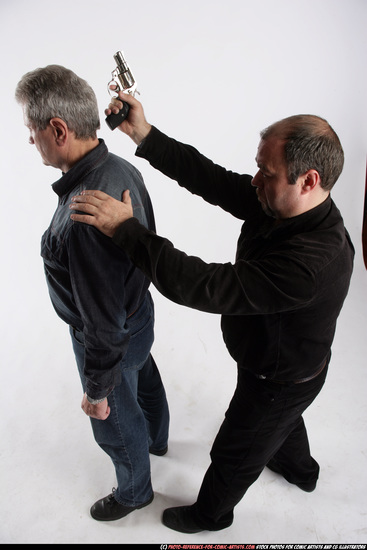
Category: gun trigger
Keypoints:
(116, 90)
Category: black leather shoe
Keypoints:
(308, 487)
(161, 452)
(108, 509)
(181, 519)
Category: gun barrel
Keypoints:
(120, 62)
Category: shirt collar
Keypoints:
(306, 221)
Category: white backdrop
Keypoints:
(211, 73)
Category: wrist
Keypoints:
(139, 135)
(95, 401)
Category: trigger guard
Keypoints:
(115, 91)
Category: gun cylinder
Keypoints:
(123, 72)
(126, 79)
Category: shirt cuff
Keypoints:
(155, 136)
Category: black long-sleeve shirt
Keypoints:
(281, 298)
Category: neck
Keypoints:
(77, 149)
(316, 200)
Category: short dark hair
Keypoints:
(55, 91)
(309, 143)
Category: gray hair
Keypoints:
(309, 143)
(55, 91)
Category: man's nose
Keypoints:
(256, 179)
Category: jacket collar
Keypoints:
(87, 164)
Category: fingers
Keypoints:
(88, 201)
(116, 102)
(99, 195)
(86, 206)
(114, 107)
(93, 197)
(126, 199)
(100, 416)
(84, 218)
(101, 411)
(128, 98)
(104, 414)
(96, 208)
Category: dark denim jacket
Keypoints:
(93, 285)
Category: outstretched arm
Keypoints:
(243, 288)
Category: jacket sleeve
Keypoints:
(243, 288)
(199, 175)
(98, 271)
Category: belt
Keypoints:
(300, 381)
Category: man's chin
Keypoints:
(46, 163)
(266, 209)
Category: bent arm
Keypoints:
(184, 163)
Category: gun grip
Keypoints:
(115, 120)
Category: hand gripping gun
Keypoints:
(123, 79)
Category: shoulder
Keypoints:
(326, 245)
(116, 175)
(123, 165)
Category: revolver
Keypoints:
(123, 79)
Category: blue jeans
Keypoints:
(139, 417)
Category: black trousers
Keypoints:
(263, 421)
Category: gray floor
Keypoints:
(52, 471)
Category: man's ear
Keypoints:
(60, 129)
(310, 181)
